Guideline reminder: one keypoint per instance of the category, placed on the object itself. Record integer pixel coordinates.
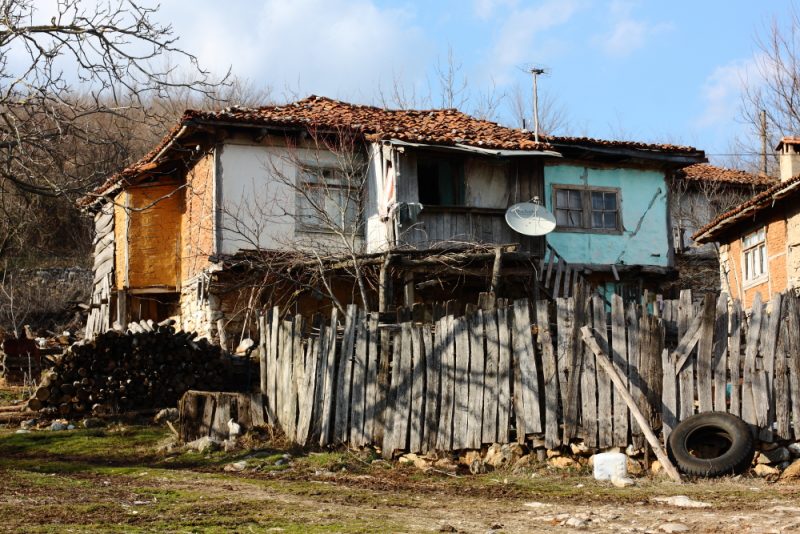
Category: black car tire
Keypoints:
(714, 429)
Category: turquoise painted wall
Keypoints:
(645, 238)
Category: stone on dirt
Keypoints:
(792, 472)
(235, 467)
(764, 470)
(575, 522)
(58, 426)
(774, 456)
(682, 501)
(673, 527)
(204, 444)
(167, 414)
(794, 448)
(29, 423)
(562, 462)
(622, 482)
(580, 449)
(498, 456)
(93, 422)
(419, 462)
(445, 464)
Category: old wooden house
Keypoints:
(321, 202)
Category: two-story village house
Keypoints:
(320, 203)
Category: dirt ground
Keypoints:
(114, 480)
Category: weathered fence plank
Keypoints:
(372, 400)
(550, 375)
(461, 383)
(588, 376)
(720, 352)
(359, 389)
(417, 406)
(705, 356)
(684, 365)
(769, 340)
(619, 355)
(633, 322)
(735, 357)
(751, 351)
(570, 361)
(783, 414)
(491, 390)
(345, 376)
(605, 414)
(529, 416)
(433, 370)
(669, 395)
(446, 345)
(503, 376)
(477, 365)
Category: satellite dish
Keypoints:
(530, 218)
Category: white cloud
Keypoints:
(329, 47)
(520, 39)
(722, 90)
(484, 9)
(627, 33)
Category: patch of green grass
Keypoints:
(127, 445)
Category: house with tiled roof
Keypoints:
(698, 194)
(246, 207)
(759, 238)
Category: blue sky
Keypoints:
(642, 70)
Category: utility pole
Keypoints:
(764, 141)
(535, 72)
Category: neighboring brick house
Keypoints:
(759, 240)
(698, 194)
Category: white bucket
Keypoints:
(608, 465)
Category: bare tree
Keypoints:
(74, 83)
(552, 115)
(774, 90)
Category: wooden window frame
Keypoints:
(586, 201)
(762, 244)
(345, 189)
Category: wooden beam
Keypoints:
(604, 362)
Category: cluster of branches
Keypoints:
(81, 97)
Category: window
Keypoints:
(754, 250)
(590, 209)
(440, 181)
(326, 201)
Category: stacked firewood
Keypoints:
(144, 368)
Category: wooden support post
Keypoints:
(498, 263)
(604, 362)
(384, 284)
(408, 289)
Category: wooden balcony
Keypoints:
(439, 226)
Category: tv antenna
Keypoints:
(535, 73)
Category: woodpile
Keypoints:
(149, 366)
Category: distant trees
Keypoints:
(773, 91)
(75, 78)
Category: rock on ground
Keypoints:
(792, 472)
(681, 501)
(167, 414)
(764, 470)
(673, 527)
(204, 444)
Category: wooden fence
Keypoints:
(510, 371)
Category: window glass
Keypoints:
(586, 208)
(324, 202)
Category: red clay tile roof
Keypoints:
(435, 126)
(712, 173)
(636, 145)
(760, 202)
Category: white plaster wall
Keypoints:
(257, 202)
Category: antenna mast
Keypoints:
(535, 72)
